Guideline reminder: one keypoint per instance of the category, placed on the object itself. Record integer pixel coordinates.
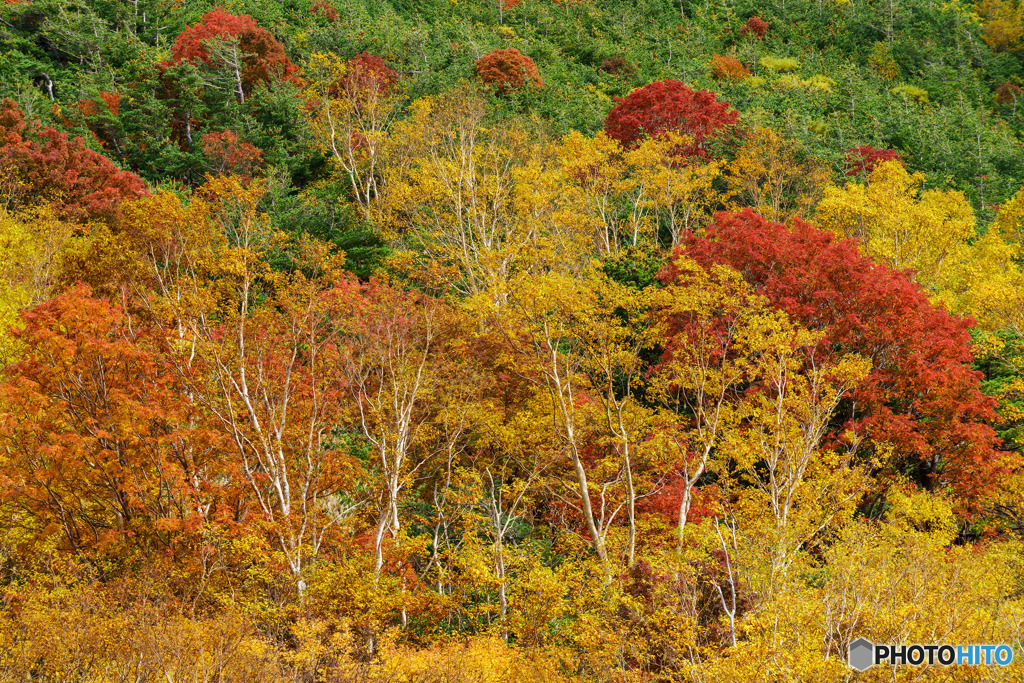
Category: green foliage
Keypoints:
(637, 267)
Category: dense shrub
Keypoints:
(728, 68)
(755, 27)
(508, 70)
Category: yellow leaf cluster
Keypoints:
(897, 224)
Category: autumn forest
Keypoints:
(509, 340)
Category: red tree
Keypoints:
(508, 70)
(1008, 93)
(863, 159)
(49, 167)
(922, 395)
(665, 106)
(756, 27)
(219, 35)
(323, 9)
(229, 154)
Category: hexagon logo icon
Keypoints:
(861, 654)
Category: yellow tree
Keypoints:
(355, 104)
(782, 423)
(31, 242)
(509, 446)
(452, 185)
(680, 189)
(716, 333)
(775, 176)
(481, 201)
(1003, 24)
(594, 177)
(611, 325)
(557, 330)
(989, 285)
(897, 224)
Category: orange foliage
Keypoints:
(97, 435)
(1002, 24)
(508, 70)
(728, 68)
(228, 154)
(262, 57)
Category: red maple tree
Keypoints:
(49, 167)
(921, 396)
(323, 9)
(227, 153)
(366, 75)
(668, 105)
(1008, 93)
(261, 58)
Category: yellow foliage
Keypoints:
(816, 83)
(31, 243)
(684, 192)
(881, 62)
(485, 659)
(482, 201)
(1002, 24)
(350, 121)
(897, 224)
(780, 64)
(990, 285)
(775, 176)
(911, 92)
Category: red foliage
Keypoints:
(367, 74)
(228, 154)
(507, 70)
(1008, 93)
(704, 502)
(323, 9)
(111, 102)
(83, 184)
(617, 65)
(263, 58)
(863, 159)
(665, 106)
(922, 395)
(756, 27)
